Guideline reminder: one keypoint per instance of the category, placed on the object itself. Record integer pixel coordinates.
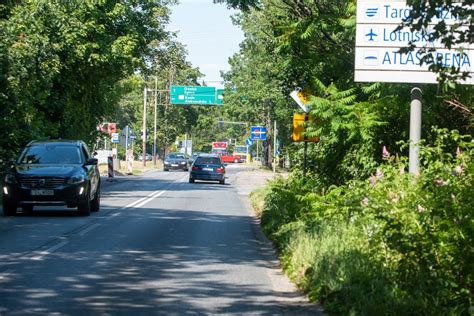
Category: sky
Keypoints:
(210, 37)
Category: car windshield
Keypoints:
(208, 161)
(175, 156)
(51, 154)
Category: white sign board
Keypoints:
(377, 57)
(115, 138)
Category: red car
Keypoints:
(226, 157)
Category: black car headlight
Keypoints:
(183, 162)
(76, 179)
(167, 162)
(9, 178)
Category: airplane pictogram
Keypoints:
(371, 35)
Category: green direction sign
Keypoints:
(193, 95)
(220, 96)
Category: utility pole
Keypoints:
(154, 127)
(144, 124)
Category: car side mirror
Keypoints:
(92, 161)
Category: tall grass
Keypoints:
(394, 245)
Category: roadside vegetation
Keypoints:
(358, 233)
(390, 244)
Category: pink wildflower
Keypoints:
(459, 169)
(420, 208)
(402, 171)
(379, 174)
(365, 201)
(385, 153)
(458, 152)
(373, 180)
(440, 182)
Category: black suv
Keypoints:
(175, 161)
(53, 172)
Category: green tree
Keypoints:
(61, 62)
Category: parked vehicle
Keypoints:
(51, 172)
(207, 167)
(241, 151)
(175, 161)
(219, 147)
(226, 157)
(148, 157)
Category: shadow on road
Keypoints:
(193, 262)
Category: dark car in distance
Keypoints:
(207, 167)
(53, 173)
(194, 156)
(175, 161)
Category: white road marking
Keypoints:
(88, 229)
(138, 201)
(157, 194)
(50, 250)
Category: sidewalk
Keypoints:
(292, 300)
(250, 180)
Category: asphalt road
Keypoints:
(159, 245)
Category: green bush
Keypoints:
(392, 244)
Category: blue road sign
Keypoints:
(258, 132)
(249, 142)
(115, 138)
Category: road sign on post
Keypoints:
(299, 128)
(258, 133)
(249, 142)
(115, 138)
(190, 95)
(301, 99)
(378, 43)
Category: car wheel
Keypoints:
(186, 169)
(165, 169)
(84, 208)
(191, 180)
(95, 204)
(27, 208)
(222, 181)
(9, 209)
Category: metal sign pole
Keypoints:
(257, 149)
(415, 130)
(304, 158)
(274, 146)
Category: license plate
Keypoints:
(42, 192)
(207, 169)
(174, 165)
